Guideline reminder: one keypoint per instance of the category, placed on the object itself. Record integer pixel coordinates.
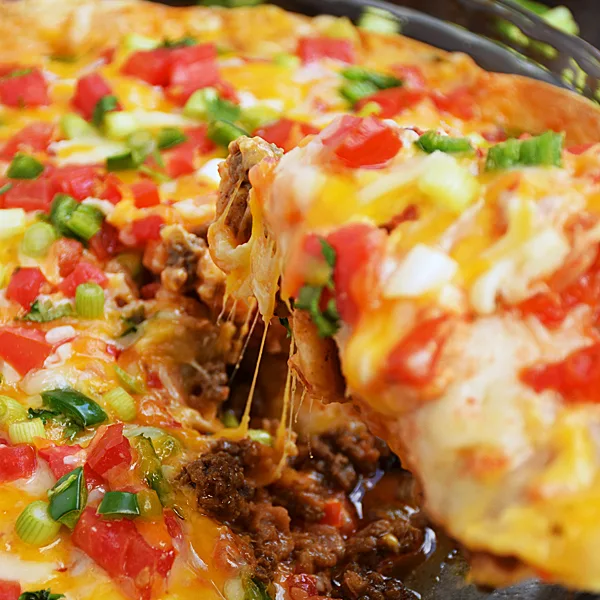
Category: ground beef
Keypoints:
(316, 548)
(372, 586)
(342, 455)
(208, 383)
(301, 495)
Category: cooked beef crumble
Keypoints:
(283, 519)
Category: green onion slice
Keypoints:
(261, 436)
(119, 504)
(5, 188)
(44, 312)
(353, 91)
(85, 222)
(89, 301)
(75, 405)
(40, 595)
(38, 239)
(542, 150)
(379, 20)
(121, 162)
(68, 498)
(382, 81)
(151, 468)
(129, 382)
(35, 526)
(122, 403)
(25, 432)
(61, 210)
(431, 141)
(11, 411)
(24, 166)
(223, 132)
(168, 137)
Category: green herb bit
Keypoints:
(5, 188)
(206, 104)
(121, 162)
(68, 498)
(255, 590)
(542, 150)
(431, 141)
(327, 321)
(69, 426)
(129, 382)
(75, 405)
(151, 469)
(142, 145)
(24, 166)
(229, 420)
(383, 81)
(105, 105)
(40, 595)
(44, 312)
(119, 504)
(286, 323)
(17, 73)
(155, 175)
(63, 206)
(85, 222)
(261, 436)
(180, 43)
(223, 132)
(353, 91)
(168, 137)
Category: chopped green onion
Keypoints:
(121, 162)
(44, 312)
(448, 184)
(105, 105)
(255, 590)
(206, 104)
(89, 301)
(229, 420)
(40, 595)
(35, 526)
(38, 239)
(131, 261)
(353, 91)
(129, 382)
(170, 136)
(328, 320)
(122, 403)
(142, 145)
(11, 411)
(68, 498)
(85, 221)
(542, 150)
(6, 188)
(379, 20)
(150, 506)
(155, 175)
(62, 208)
(135, 41)
(24, 166)
(12, 222)
(17, 73)
(151, 469)
(71, 403)
(261, 436)
(180, 43)
(289, 61)
(25, 432)
(119, 124)
(73, 127)
(223, 133)
(166, 446)
(382, 81)
(257, 116)
(432, 141)
(119, 504)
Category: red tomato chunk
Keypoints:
(24, 349)
(119, 548)
(89, 90)
(145, 194)
(147, 229)
(16, 462)
(62, 459)
(109, 449)
(285, 133)
(30, 195)
(311, 49)
(32, 138)
(26, 90)
(393, 101)
(9, 590)
(84, 272)
(25, 285)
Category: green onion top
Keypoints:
(104, 105)
(542, 150)
(119, 504)
(35, 526)
(68, 498)
(261, 436)
(24, 166)
(44, 312)
(121, 162)
(129, 382)
(353, 91)
(75, 405)
(151, 468)
(381, 80)
(223, 132)
(206, 104)
(170, 136)
(40, 595)
(89, 301)
(379, 20)
(38, 239)
(431, 141)
(85, 222)
(60, 212)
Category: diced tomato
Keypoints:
(577, 377)
(35, 137)
(393, 101)
(358, 247)
(25, 285)
(187, 78)
(334, 513)
(151, 66)
(147, 229)
(78, 181)
(186, 55)
(68, 253)
(24, 349)
(109, 449)
(311, 49)
(84, 272)
(110, 189)
(149, 291)
(306, 583)
(27, 90)
(285, 133)
(363, 142)
(459, 102)
(16, 462)
(56, 457)
(145, 194)
(414, 359)
(89, 90)
(180, 161)
(119, 548)
(580, 148)
(198, 140)
(106, 243)
(153, 380)
(412, 77)
(29, 195)
(9, 590)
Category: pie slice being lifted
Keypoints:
(449, 286)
